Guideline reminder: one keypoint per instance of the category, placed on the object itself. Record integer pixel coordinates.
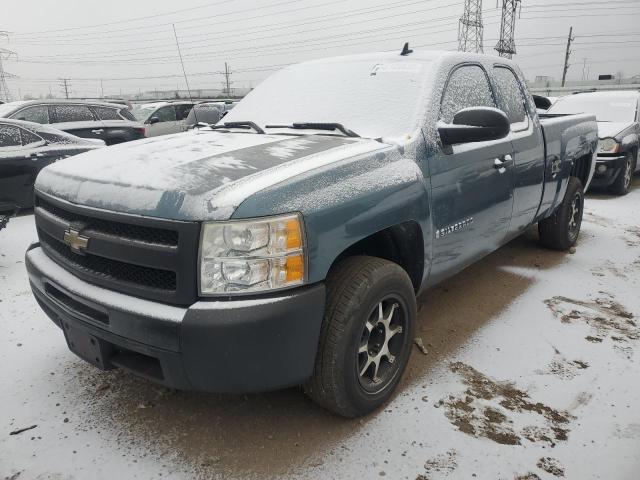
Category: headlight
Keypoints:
(608, 145)
(241, 256)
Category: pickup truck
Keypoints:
(287, 245)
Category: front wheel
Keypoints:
(560, 231)
(366, 336)
(623, 181)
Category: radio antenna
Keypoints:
(184, 72)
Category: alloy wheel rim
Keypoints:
(381, 343)
(575, 216)
(627, 174)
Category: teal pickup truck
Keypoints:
(286, 244)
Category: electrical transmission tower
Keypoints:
(506, 46)
(470, 29)
(5, 94)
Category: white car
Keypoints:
(162, 118)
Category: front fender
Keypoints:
(346, 202)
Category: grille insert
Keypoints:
(109, 269)
(158, 236)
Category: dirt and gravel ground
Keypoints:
(531, 372)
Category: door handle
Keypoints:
(97, 131)
(503, 162)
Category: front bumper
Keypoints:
(225, 346)
(607, 170)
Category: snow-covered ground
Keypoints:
(531, 371)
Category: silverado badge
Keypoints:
(78, 243)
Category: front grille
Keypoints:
(142, 256)
(157, 236)
(108, 268)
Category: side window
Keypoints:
(72, 113)
(166, 114)
(511, 98)
(107, 113)
(182, 111)
(468, 86)
(29, 138)
(126, 114)
(37, 114)
(9, 137)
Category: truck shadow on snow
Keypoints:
(274, 433)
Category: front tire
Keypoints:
(366, 336)
(560, 231)
(623, 181)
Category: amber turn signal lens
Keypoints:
(294, 234)
(295, 269)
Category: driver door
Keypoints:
(472, 194)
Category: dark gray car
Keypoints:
(25, 149)
(111, 123)
(618, 117)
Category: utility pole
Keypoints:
(584, 67)
(101, 89)
(470, 28)
(227, 76)
(506, 45)
(567, 55)
(65, 85)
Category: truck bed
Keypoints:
(566, 138)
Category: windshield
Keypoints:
(371, 98)
(142, 114)
(606, 108)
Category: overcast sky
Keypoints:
(130, 44)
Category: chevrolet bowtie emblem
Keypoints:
(77, 242)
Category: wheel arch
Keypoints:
(402, 244)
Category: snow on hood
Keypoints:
(197, 175)
(611, 129)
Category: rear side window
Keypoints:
(29, 138)
(182, 111)
(510, 94)
(37, 114)
(9, 136)
(468, 86)
(127, 114)
(107, 113)
(72, 113)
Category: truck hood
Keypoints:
(611, 129)
(197, 175)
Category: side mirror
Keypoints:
(475, 124)
(543, 103)
(153, 120)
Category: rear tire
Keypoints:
(561, 230)
(370, 314)
(623, 181)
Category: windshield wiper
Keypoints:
(317, 126)
(239, 125)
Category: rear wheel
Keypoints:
(560, 231)
(366, 336)
(623, 182)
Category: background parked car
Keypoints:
(111, 123)
(618, 116)
(25, 149)
(205, 112)
(162, 118)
